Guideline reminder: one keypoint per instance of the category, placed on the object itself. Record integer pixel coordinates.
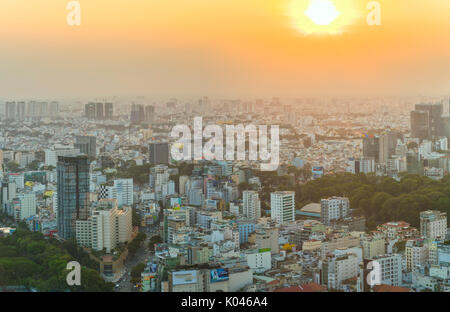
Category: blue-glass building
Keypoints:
(73, 188)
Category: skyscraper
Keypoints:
(123, 192)
(99, 115)
(7, 194)
(158, 153)
(149, 113)
(137, 114)
(20, 110)
(109, 111)
(251, 205)
(419, 125)
(89, 110)
(10, 110)
(87, 145)
(54, 108)
(371, 147)
(282, 207)
(72, 188)
(436, 125)
(387, 145)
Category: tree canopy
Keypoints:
(380, 199)
(28, 259)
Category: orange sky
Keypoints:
(219, 48)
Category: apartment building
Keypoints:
(282, 207)
(107, 227)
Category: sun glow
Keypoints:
(322, 12)
(322, 16)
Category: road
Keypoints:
(141, 255)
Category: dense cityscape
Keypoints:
(360, 180)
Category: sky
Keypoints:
(222, 48)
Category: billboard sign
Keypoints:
(219, 275)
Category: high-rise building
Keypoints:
(109, 111)
(371, 147)
(98, 110)
(433, 127)
(89, 110)
(99, 113)
(137, 114)
(51, 156)
(18, 179)
(87, 145)
(123, 192)
(107, 226)
(10, 110)
(387, 145)
(27, 205)
(54, 108)
(7, 194)
(20, 110)
(251, 205)
(334, 208)
(42, 109)
(158, 153)
(282, 206)
(419, 125)
(433, 224)
(182, 182)
(361, 165)
(149, 113)
(72, 188)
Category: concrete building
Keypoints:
(433, 224)
(107, 227)
(373, 246)
(390, 266)
(51, 155)
(267, 238)
(282, 207)
(158, 153)
(259, 260)
(251, 205)
(416, 254)
(334, 208)
(199, 254)
(123, 192)
(338, 268)
(87, 145)
(27, 205)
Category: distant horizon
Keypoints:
(231, 97)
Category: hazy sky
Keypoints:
(220, 48)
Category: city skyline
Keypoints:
(177, 148)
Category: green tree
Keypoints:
(12, 166)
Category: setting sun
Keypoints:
(322, 12)
(322, 16)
